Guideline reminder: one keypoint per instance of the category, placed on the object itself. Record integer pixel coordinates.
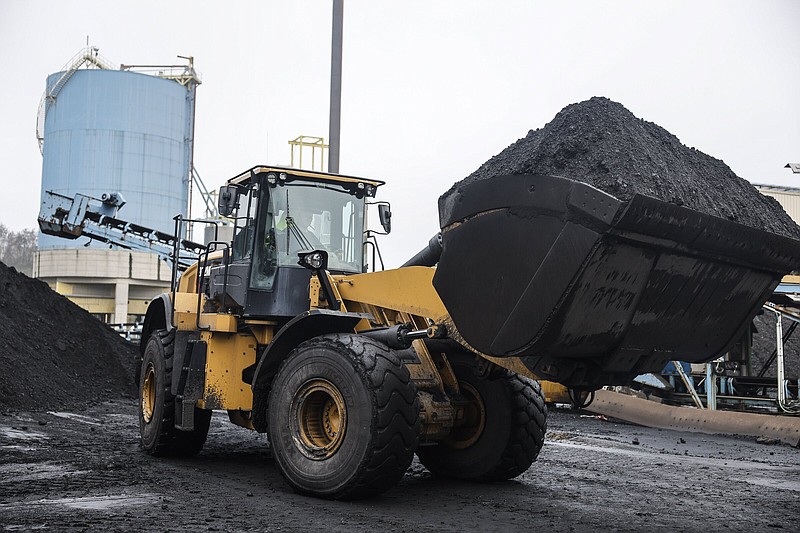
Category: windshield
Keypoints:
(305, 216)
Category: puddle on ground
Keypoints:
(123, 416)
(13, 473)
(91, 503)
(18, 448)
(21, 434)
(78, 418)
(781, 484)
(678, 459)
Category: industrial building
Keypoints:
(788, 197)
(127, 130)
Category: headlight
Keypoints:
(315, 260)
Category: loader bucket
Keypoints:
(589, 290)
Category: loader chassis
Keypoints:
(351, 373)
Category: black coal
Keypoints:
(601, 143)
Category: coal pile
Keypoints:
(764, 344)
(601, 143)
(53, 354)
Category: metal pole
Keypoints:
(689, 383)
(334, 125)
(711, 388)
(782, 389)
(191, 98)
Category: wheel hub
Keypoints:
(149, 393)
(319, 419)
(473, 421)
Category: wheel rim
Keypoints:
(149, 393)
(468, 433)
(319, 419)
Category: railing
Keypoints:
(88, 55)
(787, 404)
(370, 241)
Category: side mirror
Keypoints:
(385, 216)
(227, 200)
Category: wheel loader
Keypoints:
(351, 373)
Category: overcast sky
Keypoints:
(431, 89)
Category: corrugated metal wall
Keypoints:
(111, 130)
(788, 198)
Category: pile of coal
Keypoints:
(764, 342)
(53, 354)
(603, 144)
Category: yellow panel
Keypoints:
(186, 302)
(137, 307)
(555, 392)
(262, 332)
(218, 322)
(93, 305)
(185, 317)
(62, 288)
(409, 290)
(185, 321)
(226, 356)
(188, 281)
(185, 310)
(211, 321)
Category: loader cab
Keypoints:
(278, 213)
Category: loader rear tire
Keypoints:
(505, 430)
(159, 436)
(343, 417)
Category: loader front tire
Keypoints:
(343, 417)
(503, 431)
(157, 404)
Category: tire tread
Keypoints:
(396, 425)
(530, 418)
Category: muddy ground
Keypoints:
(84, 471)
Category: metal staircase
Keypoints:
(89, 57)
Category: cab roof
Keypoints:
(249, 175)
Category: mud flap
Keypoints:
(190, 385)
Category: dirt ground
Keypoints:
(76, 471)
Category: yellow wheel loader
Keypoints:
(350, 373)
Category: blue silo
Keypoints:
(119, 131)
